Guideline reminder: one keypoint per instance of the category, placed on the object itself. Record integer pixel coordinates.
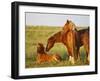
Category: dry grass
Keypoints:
(36, 34)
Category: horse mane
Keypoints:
(83, 31)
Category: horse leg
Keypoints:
(87, 53)
(71, 46)
(71, 58)
(78, 56)
(87, 58)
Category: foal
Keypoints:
(44, 57)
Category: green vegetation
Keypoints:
(36, 34)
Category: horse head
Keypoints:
(40, 48)
(69, 25)
(50, 43)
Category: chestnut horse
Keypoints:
(72, 39)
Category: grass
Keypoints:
(36, 34)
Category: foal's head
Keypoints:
(40, 48)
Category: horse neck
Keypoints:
(58, 38)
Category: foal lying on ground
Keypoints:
(44, 57)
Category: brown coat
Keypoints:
(44, 57)
(71, 38)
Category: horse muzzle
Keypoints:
(47, 49)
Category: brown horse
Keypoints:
(84, 40)
(72, 39)
(69, 43)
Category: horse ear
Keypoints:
(68, 21)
